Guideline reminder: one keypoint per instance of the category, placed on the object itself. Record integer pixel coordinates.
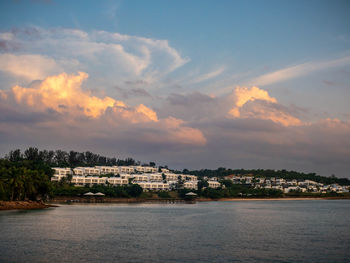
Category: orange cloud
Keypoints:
(243, 95)
(3, 95)
(183, 134)
(270, 113)
(63, 93)
(147, 112)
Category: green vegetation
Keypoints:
(163, 194)
(231, 190)
(26, 176)
(61, 158)
(65, 189)
(221, 172)
(24, 180)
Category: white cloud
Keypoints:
(30, 67)
(112, 57)
(210, 75)
(298, 71)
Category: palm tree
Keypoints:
(16, 183)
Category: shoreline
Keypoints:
(68, 199)
(23, 205)
(274, 199)
(32, 205)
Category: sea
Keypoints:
(225, 231)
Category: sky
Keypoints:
(188, 84)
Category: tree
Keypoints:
(134, 190)
(202, 184)
(73, 159)
(61, 158)
(15, 156)
(32, 154)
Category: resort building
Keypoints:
(117, 181)
(164, 170)
(154, 186)
(191, 185)
(108, 169)
(60, 173)
(147, 177)
(213, 184)
(145, 169)
(86, 171)
(126, 169)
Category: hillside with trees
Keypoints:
(267, 173)
(27, 176)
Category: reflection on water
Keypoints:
(260, 231)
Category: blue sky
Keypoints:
(193, 61)
(242, 36)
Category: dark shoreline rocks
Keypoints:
(23, 205)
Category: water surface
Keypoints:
(238, 231)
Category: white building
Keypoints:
(108, 169)
(79, 180)
(117, 181)
(171, 176)
(86, 171)
(164, 170)
(149, 179)
(191, 185)
(126, 169)
(213, 184)
(60, 173)
(154, 186)
(146, 169)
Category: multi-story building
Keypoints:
(117, 181)
(154, 186)
(60, 173)
(149, 179)
(86, 171)
(108, 169)
(126, 169)
(146, 169)
(213, 184)
(191, 185)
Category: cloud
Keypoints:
(107, 57)
(241, 103)
(247, 127)
(265, 110)
(147, 112)
(60, 106)
(31, 67)
(64, 93)
(257, 103)
(298, 71)
(132, 92)
(209, 75)
(242, 95)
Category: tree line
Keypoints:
(27, 175)
(289, 175)
(60, 158)
(24, 180)
(230, 190)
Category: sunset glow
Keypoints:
(223, 92)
